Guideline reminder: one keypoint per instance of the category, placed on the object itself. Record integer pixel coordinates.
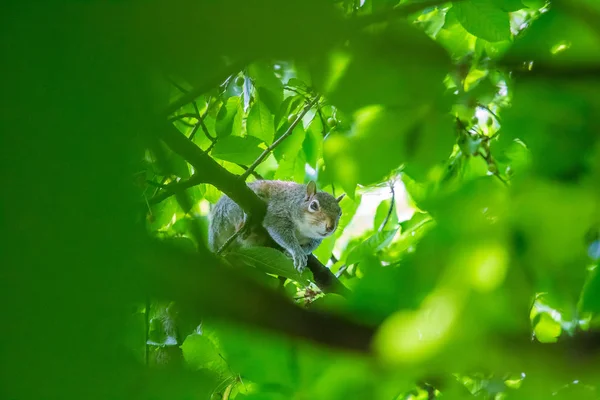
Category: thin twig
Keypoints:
(490, 161)
(254, 173)
(323, 120)
(195, 129)
(486, 108)
(276, 143)
(155, 184)
(171, 189)
(208, 84)
(341, 271)
(177, 85)
(230, 240)
(211, 146)
(202, 124)
(205, 129)
(181, 121)
(389, 213)
(298, 92)
(184, 115)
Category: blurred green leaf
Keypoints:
(557, 38)
(248, 356)
(200, 352)
(399, 67)
(590, 300)
(370, 246)
(547, 330)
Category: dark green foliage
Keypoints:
(464, 135)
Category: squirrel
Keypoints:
(298, 218)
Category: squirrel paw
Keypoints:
(300, 260)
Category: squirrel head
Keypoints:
(321, 213)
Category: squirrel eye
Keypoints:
(314, 206)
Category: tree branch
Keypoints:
(209, 171)
(276, 143)
(246, 301)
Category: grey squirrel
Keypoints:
(298, 218)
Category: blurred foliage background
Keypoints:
(462, 133)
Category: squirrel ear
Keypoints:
(340, 198)
(311, 189)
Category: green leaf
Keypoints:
(382, 213)
(291, 167)
(291, 145)
(384, 139)
(241, 150)
(558, 38)
(590, 301)
(258, 357)
(268, 86)
(313, 142)
(455, 38)
(349, 206)
(475, 167)
(323, 252)
(181, 243)
(547, 330)
(415, 222)
(260, 122)
(289, 106)
(226, 116)
(200, 352)
(162, 213)
(270, 261)
(483, 19)
(370, 246)
(400, 67)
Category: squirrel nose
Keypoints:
(329, 228)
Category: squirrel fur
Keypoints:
(298, 218)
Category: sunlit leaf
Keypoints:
(260, 122)
(237, 149)
(226, 117)
(484, 19)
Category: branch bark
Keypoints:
(245, 301)
(234, 186)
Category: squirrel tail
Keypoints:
(223, 219)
